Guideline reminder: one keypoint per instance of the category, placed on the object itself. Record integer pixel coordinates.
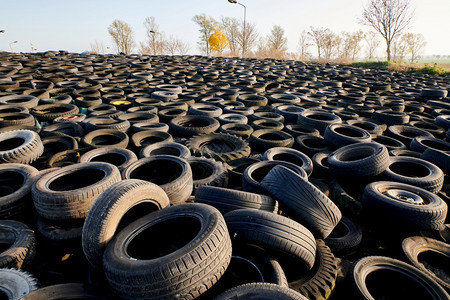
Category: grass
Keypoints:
(441, 68)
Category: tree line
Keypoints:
(229, 36)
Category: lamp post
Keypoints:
(15, 42)
(243, 34)
(154, 41)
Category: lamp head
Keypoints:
(232, 1)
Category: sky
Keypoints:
(75, 25)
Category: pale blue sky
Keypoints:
(74, 25)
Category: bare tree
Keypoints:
(318, 36)
(372, 43)
(276, 39)
(122, 35)
(155, 43)
(389, 18)
(329, 44)
(352, 44)
(398, 49)
(98, 47)
(303, 44)
(415, 43)
(247, 38)
(175, 45)
(231, 28)
(207, 27)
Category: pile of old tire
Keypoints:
(148, 177)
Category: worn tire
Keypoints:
(368, 265)
(318, 283)
(226, 200)
(173, 174)
(261, 291)
(203, 252)
(21, 242)
(16, 284)
(110, 207)
(415, 171)
(69, 192)
(416, 246)
(20, 146)
(403, 204)
(304, 202)
(289, 155)
(120, 157)
(279, 235)
(219, 146)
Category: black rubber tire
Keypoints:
(226, 200)
(139, 117)
(57, 143)
(207, 172)
(404, 153)
(70, 118)
(415, 171)
(219, 146)
(289, 155)
(267, 124)
(16, 284)
(368, 265)
(320, 165)
(205, 110)
(16, 118)
(296, 130)
(165, 148)
(120, 157)
(439, 158)
(69, 192)
(108, 210)
(149, 137)
(252, 100)
(15, 182)
(232, 118)
(389, 117)
(371, 127)
(405, 133)
(416, 246)
(149, 126)
(20, 100)
(340, 135)
(21, 242)
(200, 259)
(345, 237)
(105, 138)
(280, 236)
(320, 281)
(311, 145)
(317, 119)
(420, 144)
(72, 129)
(389, 142)
(303, 201)
(20, 146)
(95, 123)
(261, 291)
(359, 160)
(264, 139)
(173, 174)
(65, 291)
(428, 211)
(49, 112)
(241, 130)
(434, 93)
(187, 126)
(255, 173)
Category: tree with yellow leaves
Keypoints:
(218, 41)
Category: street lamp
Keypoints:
(15, 42)
(243, 34)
